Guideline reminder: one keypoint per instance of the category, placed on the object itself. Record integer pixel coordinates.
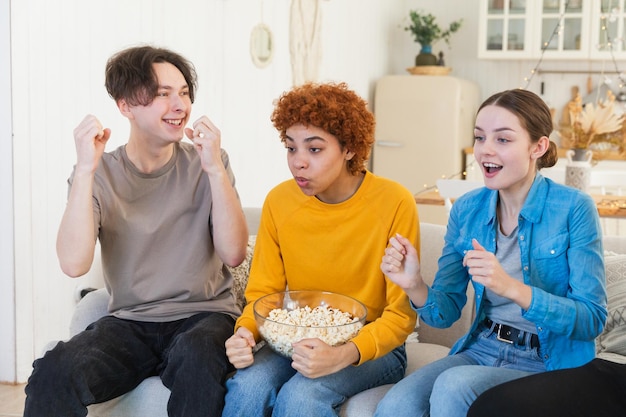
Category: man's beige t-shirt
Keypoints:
(158, 258)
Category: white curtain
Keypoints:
(305, 44)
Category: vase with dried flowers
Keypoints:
(591, 128)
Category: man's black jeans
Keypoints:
(112, 356)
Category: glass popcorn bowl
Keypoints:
(287, 317)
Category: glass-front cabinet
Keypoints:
(504, 28)
(554, 29)
(564, 29)
(608, 30)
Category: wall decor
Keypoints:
(305, 44)
(261, 45)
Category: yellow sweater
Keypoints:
(306, 244)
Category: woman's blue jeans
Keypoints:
(112, 356)
(447, 387)
(271, 387)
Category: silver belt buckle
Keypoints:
(500, 338)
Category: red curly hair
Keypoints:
(333, 108)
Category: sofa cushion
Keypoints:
(431, 246)
(240, 273)
(150, 396)
(611, 344)
(364, 403)
(89, 309)
(418, 354)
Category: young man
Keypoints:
(168, 219)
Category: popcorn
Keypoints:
(331, 325)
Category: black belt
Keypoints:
(512, 335)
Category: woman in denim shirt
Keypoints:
(532, 250)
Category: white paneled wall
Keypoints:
(7, 283)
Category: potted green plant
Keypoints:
(426, 32)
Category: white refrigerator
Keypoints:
(423, 123)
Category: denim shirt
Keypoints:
(562, 260)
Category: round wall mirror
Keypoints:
(261, 45)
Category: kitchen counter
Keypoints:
(608, 205)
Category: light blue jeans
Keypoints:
(447, 387)
(271, 387)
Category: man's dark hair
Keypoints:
(130, 74)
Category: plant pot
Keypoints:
(425, 57)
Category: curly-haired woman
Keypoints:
(324, 230)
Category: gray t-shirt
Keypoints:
(158, 258)
(501, 309)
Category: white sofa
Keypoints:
(150, 397)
